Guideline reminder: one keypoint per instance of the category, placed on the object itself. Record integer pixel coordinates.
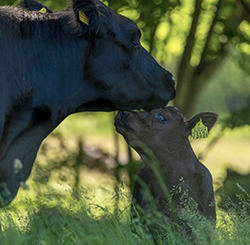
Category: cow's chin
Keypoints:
(108, 105)
(146, 105)
(97, 105)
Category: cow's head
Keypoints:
(123, 72)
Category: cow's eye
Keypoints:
(135, 40)
(160, 118)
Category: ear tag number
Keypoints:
(83, 18)
(42, 10)
(199, 131)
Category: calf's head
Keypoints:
(162, 130)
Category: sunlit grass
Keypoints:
(96, 190)
(78, 218)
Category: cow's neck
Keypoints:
(56, 84)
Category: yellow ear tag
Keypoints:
(199, 131)
(42, 10)
(83, 18)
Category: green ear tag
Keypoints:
(42, 10)
(199, 131)
(83, 18)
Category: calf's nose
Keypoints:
(125, 113)
(122, 114)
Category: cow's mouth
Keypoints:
(97, 105)
(108, 105)
(105, 105)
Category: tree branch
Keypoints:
(152, 37)
(244, 9)
(185, 61)
(199, 81)
(202, 63)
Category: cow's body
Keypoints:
(53, 65)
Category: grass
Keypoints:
(62, 226)
(69, 219)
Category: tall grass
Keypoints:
(58, 219)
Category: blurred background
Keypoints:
(206, 45)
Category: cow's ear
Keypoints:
(88, 15)
(208, 119)
(34, 6)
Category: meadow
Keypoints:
(67, 202)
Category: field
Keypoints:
(77, 204)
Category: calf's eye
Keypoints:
(160, 118)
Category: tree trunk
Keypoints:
(196, 85)
(191, 80)
(185, 71)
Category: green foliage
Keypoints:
(57, 225)
(239, 117)
(56, 5)
(227, 92)
(233, 195)
(7, 2)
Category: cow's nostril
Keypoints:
(121, 114)
(172, 80)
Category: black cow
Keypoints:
(53, 65)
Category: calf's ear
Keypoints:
(88, 15)
(207, 118)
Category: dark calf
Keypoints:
(87, 58)
(165, 132)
